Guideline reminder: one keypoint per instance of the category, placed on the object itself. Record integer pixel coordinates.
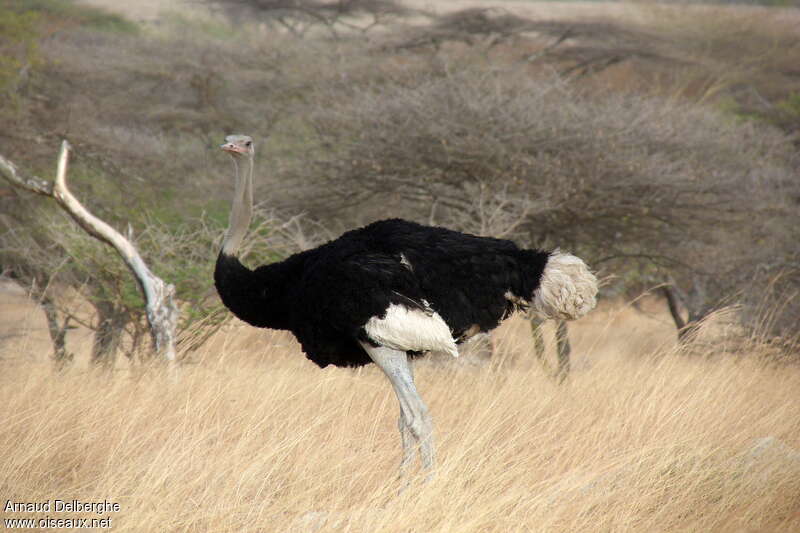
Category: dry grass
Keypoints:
(255, 438)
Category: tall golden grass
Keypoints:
(255, 438)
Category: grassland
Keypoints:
(255, 438)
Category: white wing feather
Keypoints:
(405, 329)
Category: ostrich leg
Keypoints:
(408, 443)
(415, 422)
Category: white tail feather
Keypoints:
(567, 290)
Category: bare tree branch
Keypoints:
(544, 51)
(29, 183)
(162, 312)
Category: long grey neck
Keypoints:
(241, 211)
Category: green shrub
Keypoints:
(19, 50)
(69, 12)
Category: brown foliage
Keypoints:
(627, 180)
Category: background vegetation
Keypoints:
(661, 146)
(460, 131)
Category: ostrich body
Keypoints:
(390, 291)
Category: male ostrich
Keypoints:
(391, 291)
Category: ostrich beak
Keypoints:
(232, 148)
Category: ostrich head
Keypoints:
(238, 145)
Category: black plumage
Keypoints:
(325, 296)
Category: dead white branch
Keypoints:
(162, 313)
(30, 183)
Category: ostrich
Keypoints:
(391, 291)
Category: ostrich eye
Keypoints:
(248, 143)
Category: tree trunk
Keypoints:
(58, 334)
(108, 334)
(685, 327)
(57, 331)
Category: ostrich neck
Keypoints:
(255, 296)
(241, 211)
